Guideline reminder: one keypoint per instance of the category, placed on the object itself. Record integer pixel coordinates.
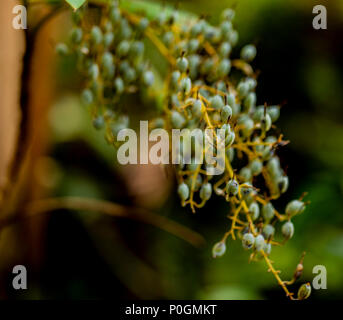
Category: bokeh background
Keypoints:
(87, 255)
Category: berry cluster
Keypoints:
(205, 88)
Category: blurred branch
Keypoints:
(112, 209)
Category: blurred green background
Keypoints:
(91, 256)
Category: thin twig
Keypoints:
(112, 209)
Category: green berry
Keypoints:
(99, 122)
(119, 85)
(182, 64)
(288, 229)
(217, 102)
(175, 76)
(259, 243)
(248, 52)
(206, 191)
(232, 188)
(123, 48)
(295, 207)
(177, 120)
(87, 97)
(93, 71)
(168, 38)
(115, 15)
(256, 167)
(197, 108)
(226, 113)
(225, 49)
(266, 122)
(130, 75)
(148, 78)
(228, 14)
(96, 35)
(186, 85)
(108, 39)
(248, 241)
(268, 211)
(304, 291)
(250, 101)
(193, 45)
(76, 35)
(274, 112)
(267, 248)
(268, 231)
(183, 191)
(283, 184)
(254, 209)
(224, 68)
(218, 249)
(62, 49)
(143, 24)
(243, 89)
(245, 174)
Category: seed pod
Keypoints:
(259, 243)
(123, 48)
(250, 101)
(232, 188)
(288, 229)
(268, 211)
(295, 207)
(119, 85)
(248, 241)
(224, 68)
(266, 123)
(218, 249)
(183, 191)
(274, 112)
(225, 49)
(283, 184)
(243, 89)
(304, 291)
(206, 191)
(76, 35)
(227, 15)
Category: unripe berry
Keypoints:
(108, 65)
(186, 85)
(93, 71)
(248, 241)
(245, 174)
(225, 27)
(250, 101)
(254, 210)
(224, 68)
(230, 138)
(232, 188)
(119, 85)
(216, 102)
(268, 231)
(99, 122)
(273, 167)
(76, 35)
(266, 122)
(115, 15)
(288, 229)
(148, 78)
(232, 37)
(283, 184)
(259, 243)
(274, 112)
(256, 167)
(108, 39)
(62, 49)
(218, 249)
(226, 113)
(206, 191)
(193, 45)
(268, 211)
(123, 48)
(137, 48)
(225, 49)
(130, 75)
(96, 35)
(183, 191)
(267, 248)
(177, 120)
(295, 207)
(168, 38)
(243, 89)
(143, 24)
(182, 64)
(87, 97)
(304, 291)
(248, 52)
(175, 76)
(228, 14)
(197, 108)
